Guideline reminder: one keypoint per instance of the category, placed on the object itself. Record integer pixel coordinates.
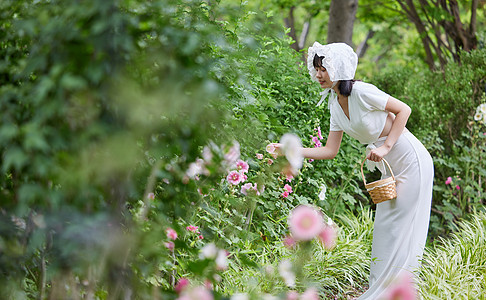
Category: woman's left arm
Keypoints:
(402, 112)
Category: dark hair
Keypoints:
(345, 86)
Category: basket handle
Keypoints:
(362, 174)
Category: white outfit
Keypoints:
(401, 225)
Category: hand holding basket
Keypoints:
(381, 190)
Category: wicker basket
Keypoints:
(381, 190)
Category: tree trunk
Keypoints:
(342, 14)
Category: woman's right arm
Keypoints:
(327, 152)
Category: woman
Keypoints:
(373, 117)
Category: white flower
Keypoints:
(482, 108)
(240, 296)
(292, 148)
(209, 251)
(478, 116)
(322, 194)
(221, 260)
(285, 270)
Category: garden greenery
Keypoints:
(122, 119)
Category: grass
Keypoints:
(455, 268)
(342, 271)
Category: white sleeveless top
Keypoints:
(367, 114)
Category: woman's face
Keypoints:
(323, 77)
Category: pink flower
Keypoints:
(151, 196)
(449, 180)
(192, 228)
(170, 245)
(270, 148)
(181, 285)
(310, 294)
(285, 194)
(259, 156)
(318, 144)
(328, 237)
(233, 154)
(402, 289)
(315, 139)
(197, 293)
(288, 188)
(242, 166)
(243, 177)
(289, 177)
(171, 234)
(292, 295)
(319, 134)
(311, 160)
(245, 188)
(200, 237)
(234, 177)
(458, 187)
(289, 242)
(269, 161)
(305, 223)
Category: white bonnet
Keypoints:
(339, 60)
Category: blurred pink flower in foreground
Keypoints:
(305, 223)
(401, 289)
(288, 188)
(233, 154)
(289, 242)
(192, 228)
(181, 285)
(170, 245)
(242, 166)
(234, 177)
(171, 234)
(292, 295)
(458, 187)
(449, 180)
(285, 194)
(197, 293)
(310, 294)
(328, 237)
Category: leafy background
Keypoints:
(104, 102)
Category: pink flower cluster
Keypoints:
(449, 181)
(238, 176)
(287, 191)
(171, 234)
(306, 223)
(195, 229)
(317, 139)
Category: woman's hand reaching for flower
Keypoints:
(377, 154)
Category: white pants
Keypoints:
(401, 225)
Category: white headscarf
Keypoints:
(339, 60)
